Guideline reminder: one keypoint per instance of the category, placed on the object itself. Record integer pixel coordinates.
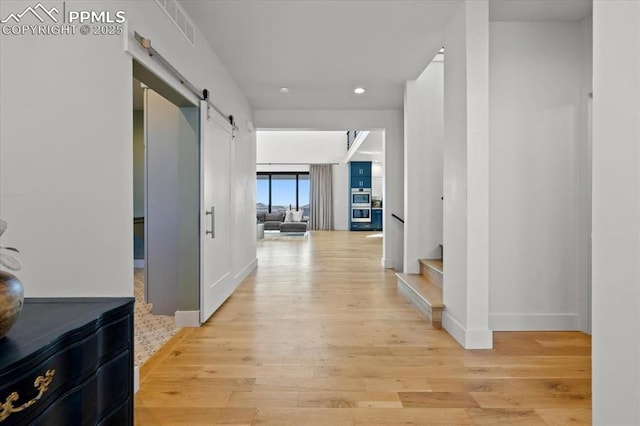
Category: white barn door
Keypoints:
(216, 280)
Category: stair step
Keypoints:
(424, 295)
(432, 268)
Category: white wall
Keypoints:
(377, 179)
(282, 167)
(536, 100)
(66, 185)
(341, 197)
(466, 175)
(306, 147)
(616, 213)
(391, 122)
(423, 145)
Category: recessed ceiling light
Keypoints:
(284, 90)
(359, 90)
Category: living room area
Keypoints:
(318, 180)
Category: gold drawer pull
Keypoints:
(41, 383)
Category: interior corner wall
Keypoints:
(584, 181)
(616, 213)
(138, 163)
(188, 208)
(538, 148)
(391, 122)
(138, 183)
(466, 175)
(423, 145)
(66, 182)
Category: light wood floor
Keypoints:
(319, 336)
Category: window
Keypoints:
(279, 191)
(303, 194)
(262, 194)
(283, 192)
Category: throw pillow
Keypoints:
(297, 216)
(288, 217)
(274, 217)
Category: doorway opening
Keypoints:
(349, 191)
(166, 173)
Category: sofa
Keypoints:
(276, 222)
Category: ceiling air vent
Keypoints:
(179, 17)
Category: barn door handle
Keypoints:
(212, 212)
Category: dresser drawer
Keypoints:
(75, 407)
(66, 368)
(118, 417)
(97, 397)
(68, 364)
(114, 337)
(114, 383)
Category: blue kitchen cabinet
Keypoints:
(361, 226)
(376, 219)
(361, 182)
(361, 169)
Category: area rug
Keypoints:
(151, 331)
(285, 236)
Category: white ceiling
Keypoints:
(539, 10)
(372, 148)
(322, 50)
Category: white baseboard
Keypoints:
(244, 272)
(453, 327)
(138, 263)
(386, 263)
(534, 322)
(192, 318)
(136, 379)
(468, 339)
(187, 319)
(479, 339)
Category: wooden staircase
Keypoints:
(424, 290)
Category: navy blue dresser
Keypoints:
(68, 361)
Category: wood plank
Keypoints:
(303, 416)
(333, 399)
(437, 400)
(411, 417)
(432, 269)
(425, 288)
(565, 416)
(435, 264)
(160, 416)
(504, 416)
(424, 295)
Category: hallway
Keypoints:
(319, 336)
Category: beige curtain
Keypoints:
(321, 197)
